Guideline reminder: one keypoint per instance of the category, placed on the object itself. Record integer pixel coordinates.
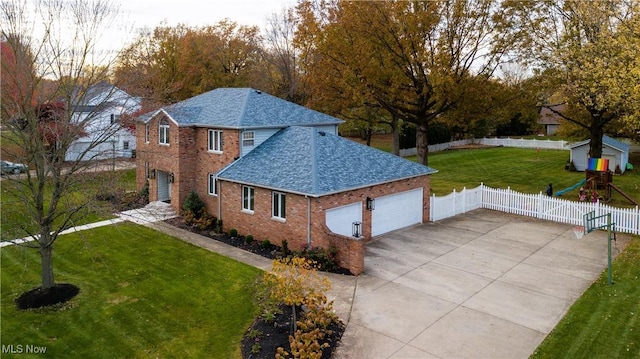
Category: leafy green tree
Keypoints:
(170, 64)
(417, 60)
(592, 49)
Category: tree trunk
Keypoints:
(395, 133)
(595, 146)
(46, 256)
(422, 144)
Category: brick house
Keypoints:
(278, 171)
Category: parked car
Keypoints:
(10, 167)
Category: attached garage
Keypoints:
(397, 211)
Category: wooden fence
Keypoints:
(627, 220)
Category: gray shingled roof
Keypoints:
(609, 141)
(242, 108)
(308, 161)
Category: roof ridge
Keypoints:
(314, 163)
(248, 92)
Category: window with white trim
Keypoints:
(247, 198)
(146, 133)
(125, 145)
(215, 141)
(213, 188)
(248, 138)
(163, 132)
(279, 204)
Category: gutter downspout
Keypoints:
(308, 222)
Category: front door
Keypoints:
(164, 187)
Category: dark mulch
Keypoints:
(264, 338)
(39, 298)
(267, 250)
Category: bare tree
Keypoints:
(281, 57)
(54, 93)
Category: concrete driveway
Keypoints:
(479, 285)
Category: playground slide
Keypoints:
(581, 183)
(611, 185)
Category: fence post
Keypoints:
(637, 229)
(464, 199)
(432, 201)
(539, 206)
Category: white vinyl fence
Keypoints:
(522, 143)
(505, 142)
(627, 220)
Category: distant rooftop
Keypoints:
(308, 161)
(241, 108)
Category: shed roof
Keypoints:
(607, 141)
(241, 108)
(308, 161)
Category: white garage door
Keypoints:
(397, 211)
(340, 220)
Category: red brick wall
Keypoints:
(160, 157)
(294, 230)
(260, 224)
(187, 157)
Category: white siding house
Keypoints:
(99, 114)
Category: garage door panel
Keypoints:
(397, 211)
(340, 220)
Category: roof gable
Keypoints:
(606, 141)
(308, 161)
(243, 108)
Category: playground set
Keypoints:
(598, 183)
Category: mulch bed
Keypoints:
(39, 298)
(276, 334)
(256, 246)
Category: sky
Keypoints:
(150, 13)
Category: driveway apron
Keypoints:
(479, 285)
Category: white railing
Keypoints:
(540, 206)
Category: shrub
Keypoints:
(219, 226)
(326, 260)
(194, 204)
(248, 239)
(233, 233)
(205, 222)
(284, 249)
(144, 193)
(266, 243)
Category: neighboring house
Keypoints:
(278, 171)
(549, 119)
(106, 137)
(615, 151)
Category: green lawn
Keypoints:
(13, 215)
(605, 321)
(142, 294)
(524, 170)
